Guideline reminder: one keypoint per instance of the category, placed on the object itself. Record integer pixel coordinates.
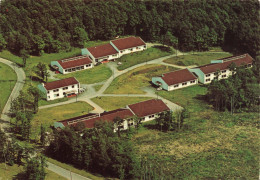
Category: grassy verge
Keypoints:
(111, 103)
(199, 58)
(43, 102)
(14, 172)
(73, 169)
(97, 87)
(97, 74)
(132, 81)
(50, 115)
(143, 56)
(7, 81)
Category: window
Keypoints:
(114, 55)
(65, 88)
(207, 75)
(144, 46)
(87, 65)
(151, 116)
(48, 92)
(216, 78)
(66, 70)
(48, 97)
(207, 80)
(121, 51)
(185, 83)
(249, 65)
(223, 76)
(216, 73)
(72, 86)
(175, 86)
(56, 95)
(193, 81)
(55, 90)
(64, 93)
(78, 68)
(223, 71)
(69, 70)
(73, 69)
(81, 67)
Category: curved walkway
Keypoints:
(5, 119)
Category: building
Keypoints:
(175, 80)
(89, 120)
(128, 45)
(148, 110)
(61, 88)
(114, 49)
(220, 69)
(73, 64)
(105, 52)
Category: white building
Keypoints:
(61, 88)
(175, 80)
(128, 45)
(73, 64)
(220, 69)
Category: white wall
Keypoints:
(51, 94)
(210, 77)
(170, 88)
(131, 50)
(78, 68)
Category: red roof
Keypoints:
(61, 83)
(128, 42)
(102, 50)
(74, 62)
(238, 60)
(148, 107)
(89, 120)
(179, 76)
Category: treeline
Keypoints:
(97, 150)
(54, 25)
(238, 92)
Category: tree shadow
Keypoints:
(163, 48)
(20, 176)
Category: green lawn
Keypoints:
(143, 56)
(132, 81)
(7, 81)
(44, 102)
(97, 74)
(12, 172)
(50, 115)
(190, 96)
(111, 103)
(97, 87)
(199, 58)
(73, 169)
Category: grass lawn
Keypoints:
(7, 81)
(132, 81)
(97, 74)
(212, 145)
(73, 169)
(44, 102)
(12, 172)
(97, 87)
(50, 115)
(111, 103)
(143, 56)
(199, 58)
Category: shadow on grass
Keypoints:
(163, 48)
(20, 176)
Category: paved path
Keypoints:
(65, 173)
(5, 119)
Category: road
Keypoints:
(5, 119)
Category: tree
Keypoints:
(36, 94)
(35, 168)
(43, 135)
(2, 42)
(80, 37)
(25, 55)
(41, 70)
(119, 122)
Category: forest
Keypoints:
(49, 26)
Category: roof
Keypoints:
(60, 83)
(102, 50)
(74, 62)
(89, 120)
(128, 42)
(238, 60)
(179, 76)
(148, 107)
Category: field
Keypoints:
(212, 145)
(13, 172)
(132, 81)
(111, 103)
(97, 74)
(44, 102)
(199, 58)
(7, 81)
(143, 56)
(73, 169)
(50, 115)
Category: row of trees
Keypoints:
(50, 26)
(237, 92)
(98, 150)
